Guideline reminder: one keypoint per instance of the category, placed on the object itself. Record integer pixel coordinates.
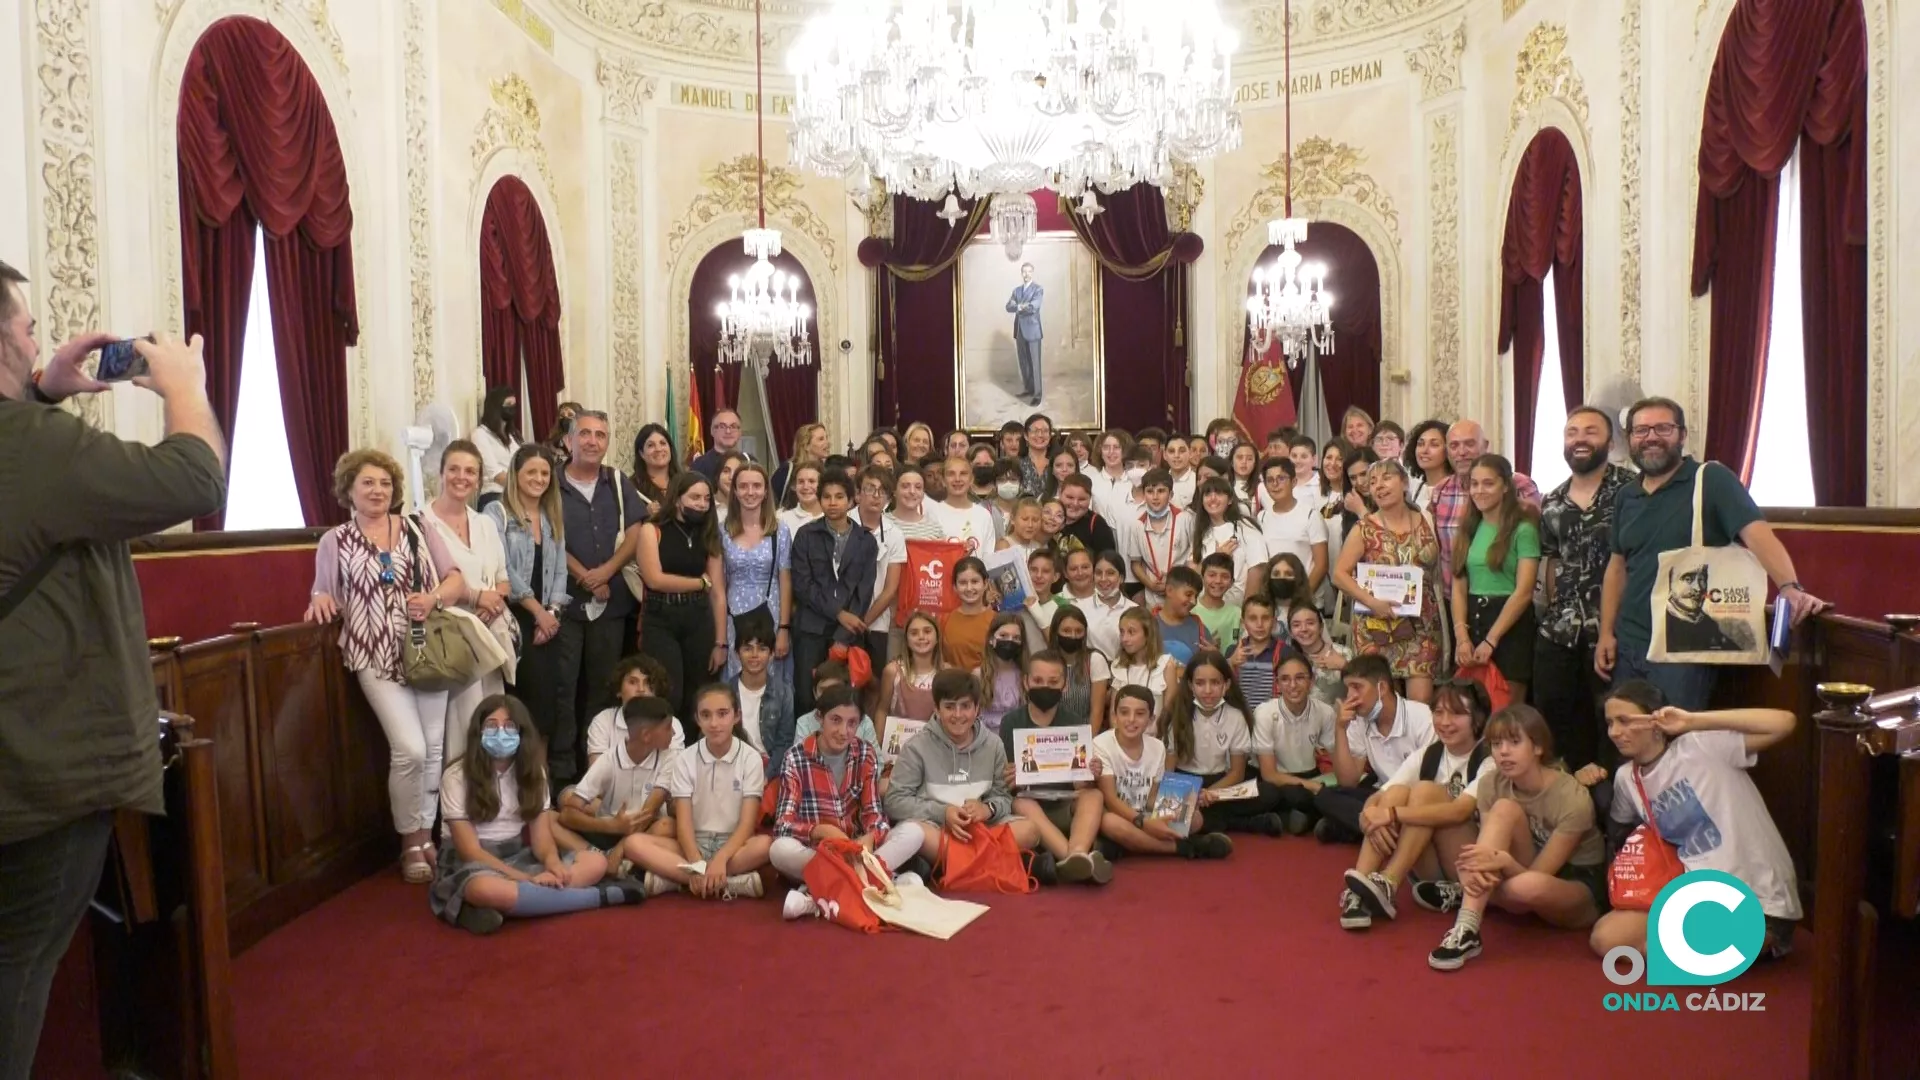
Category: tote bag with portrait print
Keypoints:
(1709, 603)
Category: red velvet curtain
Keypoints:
(258, 149)
(1143, 281)
(520, 301)
(1544, 233)
(1351, 374)
(1789, 73)
(914, 312)
(792, 394)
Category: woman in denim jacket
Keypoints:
(531, 528)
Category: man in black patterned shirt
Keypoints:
(1576, 523)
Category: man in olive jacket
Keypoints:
(79, 730)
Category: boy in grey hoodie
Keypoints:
(953, 775)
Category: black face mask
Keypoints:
(1071, 645)
(1008, 650)
(982, 475)
(511, 414)
(695, 518)
(1044, 697)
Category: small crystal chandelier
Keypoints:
(764, 316)
(1016, 218)
(1290, 302)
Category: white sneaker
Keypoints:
(799, 905)
(745, 885)
(908, 878)
(655, 885)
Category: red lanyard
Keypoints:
(1146, 536)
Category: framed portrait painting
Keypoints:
(1029, 334)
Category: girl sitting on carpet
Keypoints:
(1208, 734)
(1128, 766)
(499, 858)
(716, 786)
(1537, 851)
(1693, 766)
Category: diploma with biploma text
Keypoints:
(1053, 755)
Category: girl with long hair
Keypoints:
(910, 507)
(1088, 672)
(1494, 574)
(1060, 465)
(1220, 527)
(1111, 489)
(723, 484)
(963, 631)
(906, 683)
(1244, 466)
(1209, 733)
(756, 559)
(680, 561)
(1107, 576)
(1394, 534)
(497, 436)
(533, 535)
(1003, 669)
(1141, 660)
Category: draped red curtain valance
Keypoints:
(258, 150)
(520, 301)
(1790, 74)
(914, 327)
(792, 393)
(1143, 282)
(1544, 234)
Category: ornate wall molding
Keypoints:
(625, 87)
(524, 166)
(419, 205)
(185, 24)
(1443, 264)
(730, 189)
(707, 32)
(311, 12)
(1436, 59)
(511, 122)
(1322, 170)
(1333, 20)
(629, 361)
(1510, 8)
(71, 300)
(1630, 324)
(1184, 196)
(725, 227)
(1544, 70)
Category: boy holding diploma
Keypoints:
(1067, 816)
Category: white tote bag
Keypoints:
(1709, 603)
(915, 907)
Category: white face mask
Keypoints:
(1224, 445)
(1135, 474)
(1009, 489)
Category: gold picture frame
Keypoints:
(1081, 401)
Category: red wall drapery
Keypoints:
(520, 301)
(1789, 74)
(1351, 374)
(1143, 314)
(793, 394)
(1544, 233)
(914, 301)
(258, 149)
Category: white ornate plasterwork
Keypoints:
(725, 229)
(523, 166)
(624, 86)
(419, 207)
(703, 31)
(1544, 70)
(1436, 59)
(1443, 264)
(1630, 323)
(183, 28)
(68, 283)
(313, 12)
(511, 122)
(1332, 20)
(1322, 170)
(629, 360)
(732, 188)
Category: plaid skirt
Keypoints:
(449, 890)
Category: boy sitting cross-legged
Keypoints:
(1066, 816)
(622, 800)
(951, 776)
(829, 790)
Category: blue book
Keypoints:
(1179, 794)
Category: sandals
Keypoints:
(420, 871)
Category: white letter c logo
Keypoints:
(1673, 937)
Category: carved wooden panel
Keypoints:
(216, 689)
(305, 807)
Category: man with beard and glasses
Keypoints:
(1576, 526)
(1655, 516)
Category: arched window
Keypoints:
(260, 161)
(261, 492)
(777, 400)
(1541, 304)
(1323, 388)
(520, 303)
(1780, 242)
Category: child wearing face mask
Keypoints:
(1104, 602)
(1003, 667)
(963, 631)
(1088, 671)
(1155, 539)
(1209, 734)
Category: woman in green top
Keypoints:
(1493, 576)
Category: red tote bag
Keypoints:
(837, 878)
(927, 584)
(990, 861)
(1646, 862)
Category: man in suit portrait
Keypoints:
(1024, 304)
(1689, 628)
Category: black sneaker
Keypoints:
(1268, 824)
(479, 920)
(617, 891)
(1353, 913)
(1212, 846)
(1441, 896)
(1375, 892)
(1298, 823)
(1459, 946)
(1045, 869)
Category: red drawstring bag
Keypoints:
(1646, 862)
(1499, 694)
(859, 664)
(991, 861)
(837, 878)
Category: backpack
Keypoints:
(1430, 761)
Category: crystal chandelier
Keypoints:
(1016, 218)
(1290, 302)
(984, 97)
(763, 316)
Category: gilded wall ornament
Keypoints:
(1443, 263)
(419, 206)
(1332, 19)
(706, 31)
(730, 188)
(625, 88)
(1630, 326)
(1322, 169)
(629, 362)
(513, 120)
(68, 280)
(1544, 70)
(1436, 59)
(1510, 8)
(1184, 196)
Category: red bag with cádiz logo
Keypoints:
(927, 584)
(1646, 862)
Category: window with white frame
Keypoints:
(1782, 462)
(260, 487)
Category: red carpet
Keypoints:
(1194, 969)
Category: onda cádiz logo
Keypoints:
(1705, 929)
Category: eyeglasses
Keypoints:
(1665, 431)
(723, 426)
(386, 568)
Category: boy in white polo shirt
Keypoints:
(1378, 731)
(1290, 731)
(716, 787)
(621, 802)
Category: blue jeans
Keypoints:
(45, 884)
(1688, 686)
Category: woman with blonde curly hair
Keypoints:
(379, 574)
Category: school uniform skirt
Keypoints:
(449, 891)
(1514, 655)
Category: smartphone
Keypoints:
(119, 361)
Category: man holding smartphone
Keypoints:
(79, 736)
